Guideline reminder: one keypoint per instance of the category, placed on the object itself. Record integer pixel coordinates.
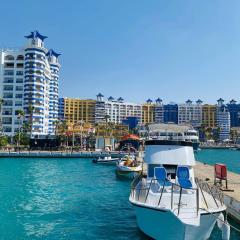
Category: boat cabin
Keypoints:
(170, 160)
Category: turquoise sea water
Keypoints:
(229, 157)
(66, 199)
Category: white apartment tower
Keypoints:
(159, 112)
(190, 113)
(29, 81)
(117, 110)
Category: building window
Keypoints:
(39, 56)
(7, 111)
(19, 80)
(18, 103)
(7, 120)
(20, 57)
(7, 129)
(7, 95)
(8, 72)
(9, 57)
(7, 103)
(19, 73)
(30, 56)
(19, 65)
(8, 80)
(9, 65)
(19, 88)
(18, 95)
(8, 87)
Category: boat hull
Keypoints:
(102, 161)
(195, 146)
(128, 171)
(164, 225)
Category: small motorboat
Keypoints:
(106, 160)
(128, 167)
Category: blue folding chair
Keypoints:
(160, 174)
(183, 177)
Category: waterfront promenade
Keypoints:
(231, 198)
(59, 154)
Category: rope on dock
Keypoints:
(225, 222)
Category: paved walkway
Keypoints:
(204, 171)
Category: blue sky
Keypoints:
(137, 49)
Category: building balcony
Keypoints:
(7, 122)
(7, 113)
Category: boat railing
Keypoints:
(212, 190)
(140, 189)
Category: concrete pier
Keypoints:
(55, 154)
(231, 198)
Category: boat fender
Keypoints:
(225, 231)
(220, 221)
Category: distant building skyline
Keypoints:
(219, 117)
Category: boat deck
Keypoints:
(187, 204)
(231, 198)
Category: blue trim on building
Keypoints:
(35, 34)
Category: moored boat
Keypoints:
(106, 160)
(128, 167)
(169, 202)
(174, 132)
(192, 136)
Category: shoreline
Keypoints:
(220, 147)
(59, 154)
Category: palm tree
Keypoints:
(30, 120)
(110, 128)
(81, 124)
(107, 117)
(20, 116)
(107, 128)
(1, 103)
(56, 125)
(60, 129)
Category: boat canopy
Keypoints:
(169, 152)
(130, 137)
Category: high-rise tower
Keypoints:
(29, 82)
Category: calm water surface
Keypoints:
(229, 157)
(66, 199)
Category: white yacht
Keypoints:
(169, 202)
(174, 132)
(192, 136)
